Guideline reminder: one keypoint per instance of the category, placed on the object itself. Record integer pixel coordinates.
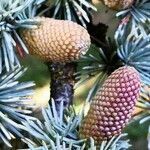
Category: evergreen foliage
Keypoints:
(15, 105)
(77, 11)
(59, 131)
(56, 131)
(14, 15)
(139, 14)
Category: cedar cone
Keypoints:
(56, 40)
(113, 105)
(118, 4)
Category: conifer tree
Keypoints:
(63, 35)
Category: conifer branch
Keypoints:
(15, 105)
(62, 83)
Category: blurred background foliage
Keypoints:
(38, 72)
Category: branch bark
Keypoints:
(62, 83)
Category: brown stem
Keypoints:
(62, 83)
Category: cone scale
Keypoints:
(56, 40)
(113, 105)
(118, 4)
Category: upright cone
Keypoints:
(118, 4)
(113, 105)
(56, 40)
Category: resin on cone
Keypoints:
(113, 105)
(56, 40)
(118, 4)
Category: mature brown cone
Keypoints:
(118, 4)
(56, 40)
(113, 105)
